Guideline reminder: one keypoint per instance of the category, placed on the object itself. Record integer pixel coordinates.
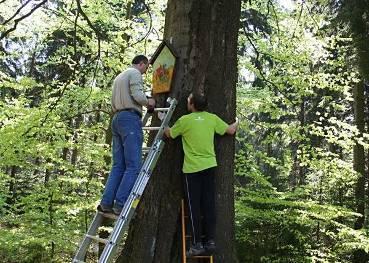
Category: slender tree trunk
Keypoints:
(358, 21)
(358, 26)
(302, 117)
(359, 165)
(204, 35)
(366, 94)
(359, 154)
(12, 189)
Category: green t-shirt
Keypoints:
(197, 130)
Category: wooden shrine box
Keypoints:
(163, 64)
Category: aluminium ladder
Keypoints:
(122, 221)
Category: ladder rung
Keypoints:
(146, 149)
(188, 236)
(201, 256)
(98, 239)
(161, 109)
(109, 215)
(151, 128)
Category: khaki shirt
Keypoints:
(128, 91)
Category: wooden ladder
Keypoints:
(209, 258)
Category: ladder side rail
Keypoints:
(157, 140)
(136, 193)
(139, 180)
(128, 211)
(140, 177)
(165, 122)
(151, 166)
(96, 223)
(82, 250)
(153, 151)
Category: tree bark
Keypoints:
(204, 36)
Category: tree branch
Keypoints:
(86, 112)
(269, 83)
(75, 36)
(98, 34)
(298, 20)
(150, 26)
(16, 13)
(16, 21)
(275, 15)
(66, 18)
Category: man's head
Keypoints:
(196, 102)
(141, 63)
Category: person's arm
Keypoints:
(175, 130)
(222, 127)
(232, 128)
(136, 89)
(167, 132)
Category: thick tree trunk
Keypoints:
(204, 35)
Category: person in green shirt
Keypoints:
(197, 130)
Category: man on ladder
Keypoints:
(127, 100)
(128, 179)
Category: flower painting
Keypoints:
(163, 68)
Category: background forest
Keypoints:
(302, 151)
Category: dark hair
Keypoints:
(199, 101)
(140, 58)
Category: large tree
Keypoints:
(355, 12)
(204, 36)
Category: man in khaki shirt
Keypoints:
(127, 100)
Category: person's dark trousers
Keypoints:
(200, 188)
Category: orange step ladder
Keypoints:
(208, 258)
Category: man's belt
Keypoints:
(131, 110)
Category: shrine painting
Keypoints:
(163, 62)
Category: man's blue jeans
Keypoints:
(127, 149)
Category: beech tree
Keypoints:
(204, 36)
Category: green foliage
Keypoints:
(274, 226)
(56, 73)
(295, 196)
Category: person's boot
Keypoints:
(117, 209)
(105, 208)
(195, 250)
(210, 246)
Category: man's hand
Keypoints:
(232, 128)
(150, 105)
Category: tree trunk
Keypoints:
(204, 35)
(359, 154)
(357, 10)
(358, 27)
